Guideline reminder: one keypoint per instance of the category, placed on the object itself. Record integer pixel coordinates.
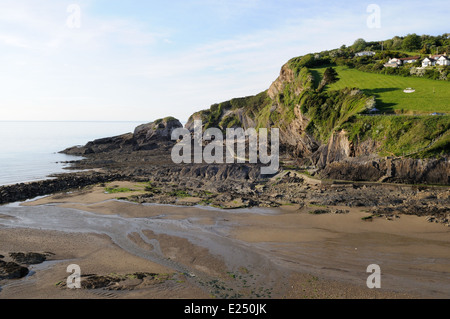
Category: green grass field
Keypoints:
(430, 96)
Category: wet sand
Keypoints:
(212, 253)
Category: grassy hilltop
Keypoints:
(429, 96)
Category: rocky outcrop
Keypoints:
(342, 160)
(294, 138)
(395, 170)
(337, 149)
(145, 137)
(11, 270)
(103, 145)
(358, 170)
(430, 171)
(134, 281)
(286, 76)
(15, 266)
(29, 258)
(148, 136)
(21, 192)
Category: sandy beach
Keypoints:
(155, 251)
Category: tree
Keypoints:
(330, 76)
(417, 64)
(412, 42)
(359, 45)
(388, 44)
(307, 61)
(447, 49)
(425, 49)
(396, 43)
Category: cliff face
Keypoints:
(323, 130)
(286, 77)
(268, 109)
(316, 128)
(295, 137)
(281, 107)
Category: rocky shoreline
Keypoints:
(145, 157)
(60, 183)
(120, 171)
(239, 186)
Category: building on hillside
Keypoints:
(396, 62)
(438, 59)
(365, 53)
(443, 60)
(437, 56)
(393, 63)
(428, 62)
(410, 59)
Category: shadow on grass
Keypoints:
(317, 78)
(318, 75)
(384, 107)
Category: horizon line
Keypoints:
(73, 121)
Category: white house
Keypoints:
(393, 63)
(411, 59)
(439, 59)
(428, 62)
(365, 53)
(396, 62)
(443, 60)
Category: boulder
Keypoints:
(28, 258)
(10, 270)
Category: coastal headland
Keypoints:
(352, 190)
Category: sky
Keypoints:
(140, 60)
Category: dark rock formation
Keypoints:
(145, 137)
(28, 258)
(148, 136)
(15, 267)
(65, 182)
(120, 282)
(10, 270)
(394, 170)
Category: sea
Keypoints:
(29, 151)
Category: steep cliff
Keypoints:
(329, 132)
(333, 131)
(277, 107)
(306, 119)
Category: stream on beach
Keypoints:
(343, 257)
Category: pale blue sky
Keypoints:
(140, 60)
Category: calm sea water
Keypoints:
(29, 150)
